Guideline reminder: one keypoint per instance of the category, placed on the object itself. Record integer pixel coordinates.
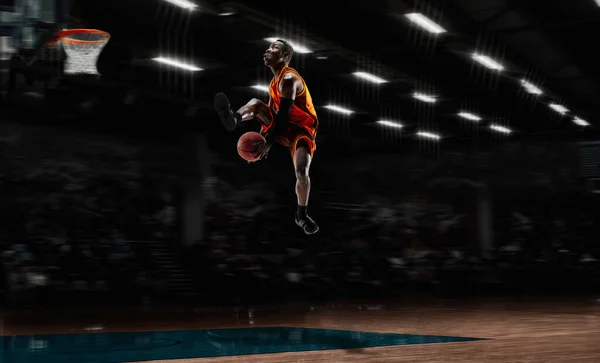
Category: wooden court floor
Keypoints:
(524, 330)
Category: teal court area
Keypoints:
(185, 344)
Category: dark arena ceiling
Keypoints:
(549, 44)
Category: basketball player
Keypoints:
(289, 119)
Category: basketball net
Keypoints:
(83, 47)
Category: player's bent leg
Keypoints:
(256, 108)
(253, 109)
(302, 160)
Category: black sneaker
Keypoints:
(307, 224)
(223, 108)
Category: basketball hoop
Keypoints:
(83, 47)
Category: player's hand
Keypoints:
(264, 152)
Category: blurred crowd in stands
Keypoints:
(380, 249)
(69, 204)
(72, 207)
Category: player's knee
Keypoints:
(259, 107)
(255, 102)
(302, 172)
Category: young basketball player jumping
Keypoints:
(289, 118)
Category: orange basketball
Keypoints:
(249, 145)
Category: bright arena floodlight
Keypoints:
(425, 23)
(177, 64)
(487, 62)
(369, 77)
(261, 87)
(185, 4)
(425, 98)
(579, 121)
(469, 116)
(390, 124)
(530, 88)
(558, 108)
(501, 129)
(339, 109)
(428, 135)
(297, 47)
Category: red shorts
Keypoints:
(294, 135)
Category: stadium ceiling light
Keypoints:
(487, 62)
(579, 121)
(530, 88)
(369, 77)
(428, 135)
(425, 23)
(297, 47)
(261, 87)
(469, 116)
(501, 129)
(177, 64)
(185, 4)
(390, 124)
(339, 109)
(558, 108)
(425, 98)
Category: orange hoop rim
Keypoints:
(63, 36)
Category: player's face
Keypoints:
(274, 55)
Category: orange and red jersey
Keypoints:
(303, 112)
